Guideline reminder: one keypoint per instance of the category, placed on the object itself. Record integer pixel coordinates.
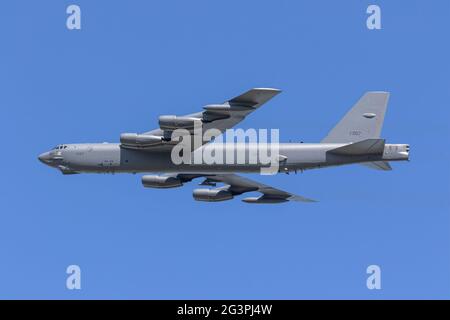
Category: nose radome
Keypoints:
(44, 157)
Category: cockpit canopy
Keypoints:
(60, 146)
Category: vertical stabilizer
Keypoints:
(363, 121)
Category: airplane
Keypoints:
(354, 140)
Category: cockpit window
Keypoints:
(59, 147)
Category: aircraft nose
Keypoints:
(44, 157)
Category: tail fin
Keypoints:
(363, 121)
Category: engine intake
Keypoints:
(155, 181)
(212, 195)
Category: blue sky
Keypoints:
(135, 60)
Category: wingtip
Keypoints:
(310, 201)
(268, 89)
(301, 199)
(379, 92)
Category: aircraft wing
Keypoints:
(233, 185)
(239, 185)
(214, 116)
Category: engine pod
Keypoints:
(212, 195)
(174, 122)
(139, 140)
(155, 181)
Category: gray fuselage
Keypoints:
(112, 158)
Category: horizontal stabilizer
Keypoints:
(378, 165)
(368, 146)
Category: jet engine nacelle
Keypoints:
(212, 195)
(139, 140)
(155, 181)
(174, 122)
